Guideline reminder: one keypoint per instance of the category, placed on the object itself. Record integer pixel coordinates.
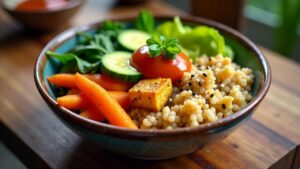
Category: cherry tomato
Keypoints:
(159, 66)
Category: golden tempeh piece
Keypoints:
(151, 94)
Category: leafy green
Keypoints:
(205, 39)
(145, 21)
(228, 52)
(86, 56)
(63, 58)
(105, 42)
(86, 67)
(173, 28)
(72, 63)
(83, 37)
(196, 41)
(160, 45)
(112, 26)
(111, 29)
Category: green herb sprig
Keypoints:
(159, 45)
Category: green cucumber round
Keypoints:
(133, 39)
(117, 65)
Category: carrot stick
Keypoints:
(107, 105)
(121, 97)
(93, 114)
(73, 91)
(110, 84)
(67, 80)
(73, 102)
(79, 101)
(63, 80)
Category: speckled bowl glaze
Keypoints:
(155, 144)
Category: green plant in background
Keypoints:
(286, 33)
(287, 21)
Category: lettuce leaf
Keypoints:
(197, 41)
(173, 29)
(204, 39)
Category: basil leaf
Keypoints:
(155, 53)
(63, 58)
(172, 41)
(145, 21)
(86, 67)
(155, 50)
(92, 48)
(83, 37)
(72, 63)
(105, 42)
(173, 48)
(69, 67)
(112, 25)
(160, 45)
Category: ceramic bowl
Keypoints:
(43, 20)
(156, 144)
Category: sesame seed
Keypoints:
(204, 74)
(223, 106)
(192, 75)
(190, 83)
(199, 83)
(212, 95)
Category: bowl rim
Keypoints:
(70, 5)
(108, 129)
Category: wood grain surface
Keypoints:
(270, 139)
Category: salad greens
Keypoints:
(169, 38)
(86, 56)
(145, 21)
(196, 41)
(158, 44)
(173, 29)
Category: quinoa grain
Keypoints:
(214, 89)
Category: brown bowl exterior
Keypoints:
(154, 144)
(46, 20)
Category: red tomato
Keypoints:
(160, 66)
(37, 5)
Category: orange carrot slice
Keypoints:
(92, 113)
(106, 104)
(62, 80)
(79, 101)
(73, 91)
(67, 80)
(121, 97)
(73, 102)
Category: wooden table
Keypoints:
(27, 126)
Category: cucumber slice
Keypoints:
(117, 65)
(133, 39)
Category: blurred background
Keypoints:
(274, 24)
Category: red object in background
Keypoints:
(40, 5)
(159, 66)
